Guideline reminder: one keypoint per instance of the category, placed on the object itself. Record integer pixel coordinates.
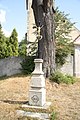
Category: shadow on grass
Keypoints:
(4, 77)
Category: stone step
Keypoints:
(34, 115)
(43, 109)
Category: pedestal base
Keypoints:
(41, 113)
(37, 97)
(37, 108)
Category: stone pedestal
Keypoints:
(37, 92)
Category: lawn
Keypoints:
(14, 92)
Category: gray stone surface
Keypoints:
(41, 116)
(10, 66)
(46, 106)
(37, 92)
(67, 68)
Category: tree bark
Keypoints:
(44, 18)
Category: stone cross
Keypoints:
(37, 92)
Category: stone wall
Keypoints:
(10, 66)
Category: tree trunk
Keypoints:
(44, 18)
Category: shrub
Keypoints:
(28, 65)
(58, 77)
(69, 79)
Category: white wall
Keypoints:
(77, 61)
(67, 68)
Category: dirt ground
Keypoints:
(14, 91)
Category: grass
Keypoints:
(53, 116)
(4, 77)
(65, 98)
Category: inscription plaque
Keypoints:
(35, 98)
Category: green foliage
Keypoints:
(22, 48)
(13, 44)
(58, 77)
(3, 77)
(69, 79)
(3, 45)
(8, 45)
(53, 116)
(28, 65)
(31, 46)
(63, 27)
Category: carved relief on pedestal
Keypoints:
(37, 92)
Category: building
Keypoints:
(72, 65)
(31, 37)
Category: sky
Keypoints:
(71, 7)
(14, 15)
